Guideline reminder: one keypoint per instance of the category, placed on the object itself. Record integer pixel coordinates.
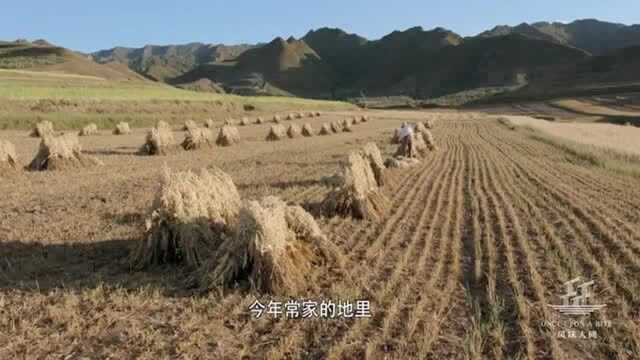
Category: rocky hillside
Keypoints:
(417, 63)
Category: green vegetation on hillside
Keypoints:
(72, 101)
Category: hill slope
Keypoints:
(165, 62)
(278, 68)
(43, 56)
(594, 36)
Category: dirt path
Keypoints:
(478, 242)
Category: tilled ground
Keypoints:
(478, 242)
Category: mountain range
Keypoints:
(419, 63)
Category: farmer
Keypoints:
(406, 139)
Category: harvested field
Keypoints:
(477, 242)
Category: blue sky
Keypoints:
(94, 25)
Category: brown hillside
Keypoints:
(42, 56)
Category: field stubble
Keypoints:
(479, 239)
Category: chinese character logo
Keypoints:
(577, 299)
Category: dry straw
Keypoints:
(428, 139)
(191, 215)
(336, 127)
(88, 130)
(209, 123)
(318, 113)
(196, 138)
(395, 139)
(299, 115)
(419, 145)
(347, 127)
(290, 116)
(161, 124)
(401, 162)
(259, 120)
(293, 131)
(364, 118)
(122, 128)
(359, 195)
(42, 129)
(372, 154)
(276, 119)
(189, 124)
(8, 158)
(310, 114)
(159, 141)
(59, 153)
(307, 130)
(274, 249)
(228, 135)
(244, 121)
(230, 122)
(325, 129)
(428, 124)
(420, 128)
(277, 132)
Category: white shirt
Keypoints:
(405, 131)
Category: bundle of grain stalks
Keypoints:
(122, 128)
(290, 117)
(8, 158)
(189, 124)
(428, 124)
(346, 122)
(42, 129)
(299, 115)
(359, 196)
(293, 131)
(428, 138)
(373, 155)
(395, 139)
(420, 128)
(347, 127)
(310, 114)
(274, 249)
(88, 130)
(276, 119)
(335, 127)
(244, 121)
(228, 135)
(364, 118)
(419, 144)
(196, 138)
(161, 124)
(318, 113)
(61, 152)
(325, 129)
(192, 214)
(159, 141)
(209, 123)
(401, 162)
(259, 120)
(307, 130)
(230, 122)
(277, 132)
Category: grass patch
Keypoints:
(73, 101)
